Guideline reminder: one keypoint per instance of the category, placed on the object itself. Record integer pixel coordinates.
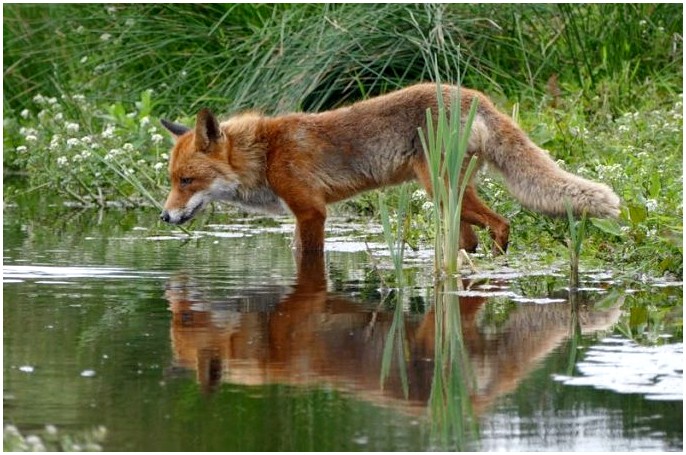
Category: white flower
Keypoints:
(40, 99)
(55, 143)
(158, 166)
(420, 194)
(112, 153)
(111, 9)
(62, 160)
(651, 205)
(21, 149)
(157, 138)
(81, 29)
(58, 117)
(109, 131)
(31, 138)
(72, 128)
(52, 101)
(145, 121)
(427, 206)
(85, 154)
(165, 156)
(25, 113)
(72, 142)
(79, 98)
(128, 147)
(87, 140)
(105, 37)
(84, 59)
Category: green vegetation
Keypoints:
(597, 85)
(445, 148)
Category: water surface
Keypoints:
(223, 342)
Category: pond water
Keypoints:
(222, 342)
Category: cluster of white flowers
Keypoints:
(72, 128)
(651, 205)
(113, 154)
(419, 195)
(608, 173)
(108, 133)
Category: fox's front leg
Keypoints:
(309, 229)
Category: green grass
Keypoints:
(597, 85)
(445, 146)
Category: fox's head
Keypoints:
(199, 168)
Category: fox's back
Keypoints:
(366, 145)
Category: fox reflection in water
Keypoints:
(310, 336)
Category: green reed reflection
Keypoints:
(452, 418)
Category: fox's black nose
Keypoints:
(164, 216)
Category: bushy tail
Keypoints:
(533, 177)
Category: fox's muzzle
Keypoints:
(177, 216)
(164, 216)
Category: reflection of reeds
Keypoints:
(396, 341)
(453, 424)
(396, 246)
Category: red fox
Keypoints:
(301, 162)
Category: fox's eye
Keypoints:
(185, 181)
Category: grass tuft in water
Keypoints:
(577, 233)
(445, 144)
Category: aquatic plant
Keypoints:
(445, 146)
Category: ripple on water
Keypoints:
(621, 365)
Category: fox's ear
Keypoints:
(207, 130)
(174, 128)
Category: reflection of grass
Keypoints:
(396, 341)
(450, 407)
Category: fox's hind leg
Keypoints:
(468, 238)
(475, 212)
